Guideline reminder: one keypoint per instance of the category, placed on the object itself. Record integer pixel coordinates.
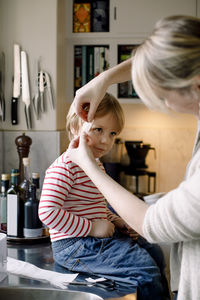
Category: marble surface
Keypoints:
(41, 256)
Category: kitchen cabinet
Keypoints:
(88, 39)
(198, 8)
(137, 17)
(130, 22)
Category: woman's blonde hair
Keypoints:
(169, 59)
(109, 104)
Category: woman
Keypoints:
(165, 72)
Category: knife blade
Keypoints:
(16, 85)
(2, 88)
(25, 88)
(48, 85)
(42, 91)
(36, 100)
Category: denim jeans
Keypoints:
(157, 254)
(118, 258)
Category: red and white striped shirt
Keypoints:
(70, 201)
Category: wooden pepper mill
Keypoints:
(23, 143)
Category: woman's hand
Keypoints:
(102, 229)
(89, 96)
(79, 151)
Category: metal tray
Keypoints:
(34, 240)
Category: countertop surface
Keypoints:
(41, 256)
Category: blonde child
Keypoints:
(85, 234)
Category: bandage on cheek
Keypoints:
(87, 127)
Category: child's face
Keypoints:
(101, 135)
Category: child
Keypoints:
(85, 234)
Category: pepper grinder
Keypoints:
(23, 143)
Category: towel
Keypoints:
(21, 268)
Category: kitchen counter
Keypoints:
(41, 256)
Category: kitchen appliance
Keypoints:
(137, 152)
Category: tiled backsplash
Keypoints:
(46, 147)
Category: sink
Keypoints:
(15, 293)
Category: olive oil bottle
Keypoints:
(32, 223)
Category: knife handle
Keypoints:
(14, 118)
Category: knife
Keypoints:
(48, 86)
(42, 91)
(2, 88)
(16, 85)
(25, 89)
(36, 90)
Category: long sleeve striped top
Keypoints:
(70, 201)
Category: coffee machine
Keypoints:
(137, 152)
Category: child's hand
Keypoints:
(132, 233)
(102, 229)
(123, 227)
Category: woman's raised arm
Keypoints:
(93, 92)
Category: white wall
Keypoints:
(39, 28)
(33, 25)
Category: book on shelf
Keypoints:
(96, 61)
(126, 89)
(84, 65)
(101, 59)
(89, 61)
(100, 16)
(77, 67)
(82, 17)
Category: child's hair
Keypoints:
(109, 104)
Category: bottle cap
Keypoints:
(35, 175)
(14, 172)
(5, 176)
(26, 161)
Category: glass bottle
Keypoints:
(15, 207)
(36, 181)
(27, 179)
(5, 179)
(32, 223)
